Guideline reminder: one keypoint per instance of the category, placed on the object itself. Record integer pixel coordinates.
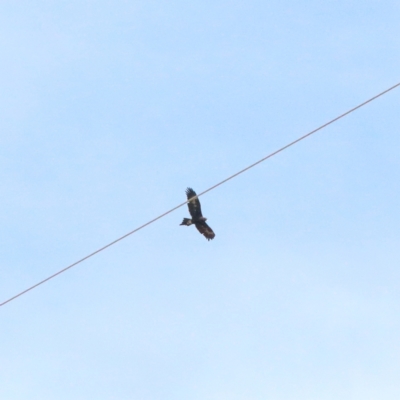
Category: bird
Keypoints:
(197, 217)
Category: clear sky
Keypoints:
(109, 110)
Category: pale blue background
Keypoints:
(109, 110)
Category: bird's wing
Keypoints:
(205, 230)
(194, 205)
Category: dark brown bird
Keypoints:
(197, 216)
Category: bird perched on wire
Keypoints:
(197, 217)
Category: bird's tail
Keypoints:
(186, 221)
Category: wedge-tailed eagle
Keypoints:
(197, 216)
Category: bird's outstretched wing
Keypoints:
(205, 230)
(193, 205)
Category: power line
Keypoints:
(200, 194)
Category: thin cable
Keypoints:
(200, 194)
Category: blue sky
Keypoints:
(109, 110)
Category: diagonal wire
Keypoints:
(200, 194)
